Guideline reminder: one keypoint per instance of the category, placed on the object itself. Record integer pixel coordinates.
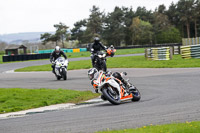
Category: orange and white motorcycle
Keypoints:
(113, 89)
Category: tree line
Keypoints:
(123, 26)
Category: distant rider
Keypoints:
(96, 47)
(56, 54)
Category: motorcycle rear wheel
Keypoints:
(111, 98)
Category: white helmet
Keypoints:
(57, 50)
(92, 73)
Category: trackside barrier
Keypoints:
(161, 53)
(190, 41)
(65, 50)
(9, 58)
(192, 51)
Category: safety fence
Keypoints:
(161, 53)
(25, 57)
(65, 50)
(190, 41)
(192, 51)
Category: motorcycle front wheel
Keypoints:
(111, 97)
(104, 67)
(64, 74)
(136, 94)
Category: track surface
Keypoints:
(168, 95)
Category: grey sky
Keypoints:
(40, 15)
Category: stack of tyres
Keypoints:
(192, 51)
(161, 53)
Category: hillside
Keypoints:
(18, 38)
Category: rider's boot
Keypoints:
(126, 84)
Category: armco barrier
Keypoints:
(192, 51)
(25, 57)
(161, 53)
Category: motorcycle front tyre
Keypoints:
(109, 97)
(64, 74)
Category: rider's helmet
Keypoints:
(96, 39)
(117, 75)
(57, 50)
(93, 72)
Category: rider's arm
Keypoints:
(51, 56)
(103, 47)
(65, 56)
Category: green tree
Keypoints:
(61, 32)
(94, 24)
(78, 31)
(196, 15)
(185, 9)
(114, 27)
(170, 35)
(141, 32)
(46, 37)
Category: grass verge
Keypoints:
(1, 59)
(187, 127)
(124, 62)
(16, 99)
(118, 52)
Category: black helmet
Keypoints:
(92, 73)
(57, 49)
(96, 39)
(117, 75)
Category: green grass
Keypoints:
(1, 59)
(125, 62)
(129, 51)
(118, 52)
(187, 127)
(17, 99)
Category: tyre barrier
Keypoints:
(192, 51)
(161, 53)
(10, 58)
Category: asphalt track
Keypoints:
(168, 95)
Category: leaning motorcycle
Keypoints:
(100, 58)
(113, 90)
(61, 68)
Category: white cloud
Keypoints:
(41, 15)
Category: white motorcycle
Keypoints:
(113, 89)
(61, 65)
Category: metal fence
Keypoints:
(192, 51)
(161, 53)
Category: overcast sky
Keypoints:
(40, 15)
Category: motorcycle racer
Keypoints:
(94, 75)
(95, 47)
(56, 54)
